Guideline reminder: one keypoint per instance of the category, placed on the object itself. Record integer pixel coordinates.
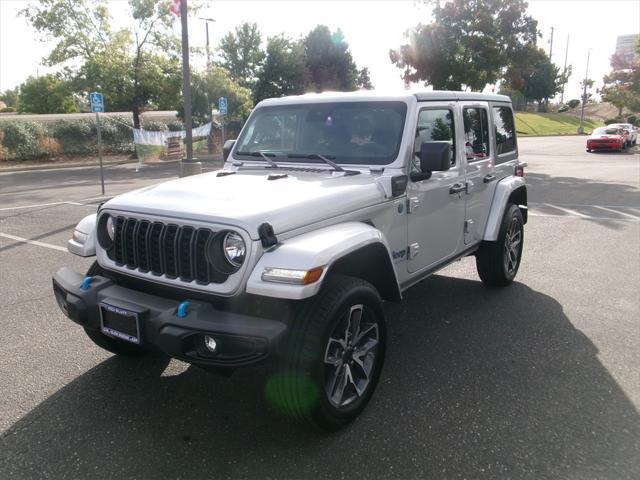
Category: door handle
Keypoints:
(457, 188)
(489, 178)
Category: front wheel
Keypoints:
(333, 355)
(498, 262)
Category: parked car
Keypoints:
(632, 136)
(606, 138)
(327, 205)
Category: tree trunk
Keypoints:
(136, 116)
(620, 111)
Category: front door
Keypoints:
(436, 205)
(481, 176)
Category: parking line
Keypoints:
(65, 202)
(566, 210)
(33, 242)
(617, 211)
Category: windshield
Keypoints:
(361, 133)
(606, 131)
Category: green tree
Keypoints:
(207, 87)
(10, 97)
(534, 75)
(46, 94)
(469, 43)
(241, 54)
(284, 71)
(364, 80)
(136, 69)
(586, 95)
(329, 61)
(622, 86)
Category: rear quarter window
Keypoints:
(505, 130)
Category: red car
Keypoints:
(606, 138)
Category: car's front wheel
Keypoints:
(333, 355)
(498, 262)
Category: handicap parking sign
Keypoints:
(97, 102)
(222, 105)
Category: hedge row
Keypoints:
(24, 140)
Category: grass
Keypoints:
(552, 124)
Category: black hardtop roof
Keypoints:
(461, 96)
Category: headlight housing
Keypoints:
(234, 249)
(106, 231)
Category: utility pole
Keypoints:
(551, 44)
(566, 55)
(206, 22)
(584, 94)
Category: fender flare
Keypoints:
(319, 248)
(504, 190)
(86, 248)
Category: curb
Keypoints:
(28, 168)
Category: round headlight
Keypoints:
(234, 249)
(111, 229)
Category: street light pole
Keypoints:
(186, 81)
(206, 23)
(584, 94)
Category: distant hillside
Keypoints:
(553, 123)
(601, 111)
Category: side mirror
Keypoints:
(226, 149)
(435, 157)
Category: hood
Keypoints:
(605, 136)
(247, 199)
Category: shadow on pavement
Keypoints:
(478, 383)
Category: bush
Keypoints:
(609, 121)
(154, 126)
(633, 120)
(22, 140)
(7, 109)
(563, 108)
(75, 136)
(175, 126)
(573, 103)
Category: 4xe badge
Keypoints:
(399, 255)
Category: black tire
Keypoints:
(494, 260)
(113, 345)
(299, 388)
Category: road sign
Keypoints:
(222, 105)
(97, 102)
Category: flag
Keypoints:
(175, 7)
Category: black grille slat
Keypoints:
(165, 249)
(129, 243)
(118, 243)
(155, 248)
(185, 253)
(202, 266)
(169, 251)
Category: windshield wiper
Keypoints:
(310, 156)
(262, 154)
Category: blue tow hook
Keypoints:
(182, 309)
(85, 283)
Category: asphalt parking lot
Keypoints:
(538, 380)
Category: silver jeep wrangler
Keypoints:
(327, 205)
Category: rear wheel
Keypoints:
(498, 262)
(113, 345)
(333, 355)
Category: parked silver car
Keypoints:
(328, 205)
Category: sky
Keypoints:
(371, 27)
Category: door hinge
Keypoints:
(414, 250)
(413, 203)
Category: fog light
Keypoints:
(210, 343)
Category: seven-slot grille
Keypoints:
(164, 249)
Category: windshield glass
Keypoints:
(364, 133)
(605, 131)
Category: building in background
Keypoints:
(626, 47)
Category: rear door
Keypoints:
(505, 142)
(480, 171)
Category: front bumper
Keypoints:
(242, 340)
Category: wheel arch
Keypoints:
(509, 190)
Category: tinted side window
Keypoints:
(435, 126)
(476, 133)
(505, 130)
